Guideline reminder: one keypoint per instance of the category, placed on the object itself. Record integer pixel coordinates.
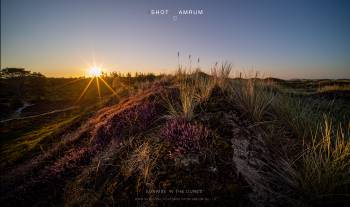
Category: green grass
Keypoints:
(324, 172)
(300, 116)
(26, 144)
(320, 172)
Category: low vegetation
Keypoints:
(189, 137)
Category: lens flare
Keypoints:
(95, 72)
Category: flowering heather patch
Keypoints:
(70, 161)
(186, 137)
(130, 121)
(133, 119)
(67, 158)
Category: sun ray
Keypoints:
(109, 87)
(98, 87)
(84, 91)
(68, 83)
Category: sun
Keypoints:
(95, 71)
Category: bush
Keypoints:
(185, 136)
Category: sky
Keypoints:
(281, 38)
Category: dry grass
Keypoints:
(142, 162)
(325, 164)
(203, 85)
(122, 170)
(322, 173)
(221, 74)
(195, 88)
(192, 89)
(185, 104)
(252, 97)
(331, 88)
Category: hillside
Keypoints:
(194, 139)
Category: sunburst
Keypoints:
(95, 72)
(95, 75)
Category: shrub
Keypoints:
(132, 120)
(185, 136)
